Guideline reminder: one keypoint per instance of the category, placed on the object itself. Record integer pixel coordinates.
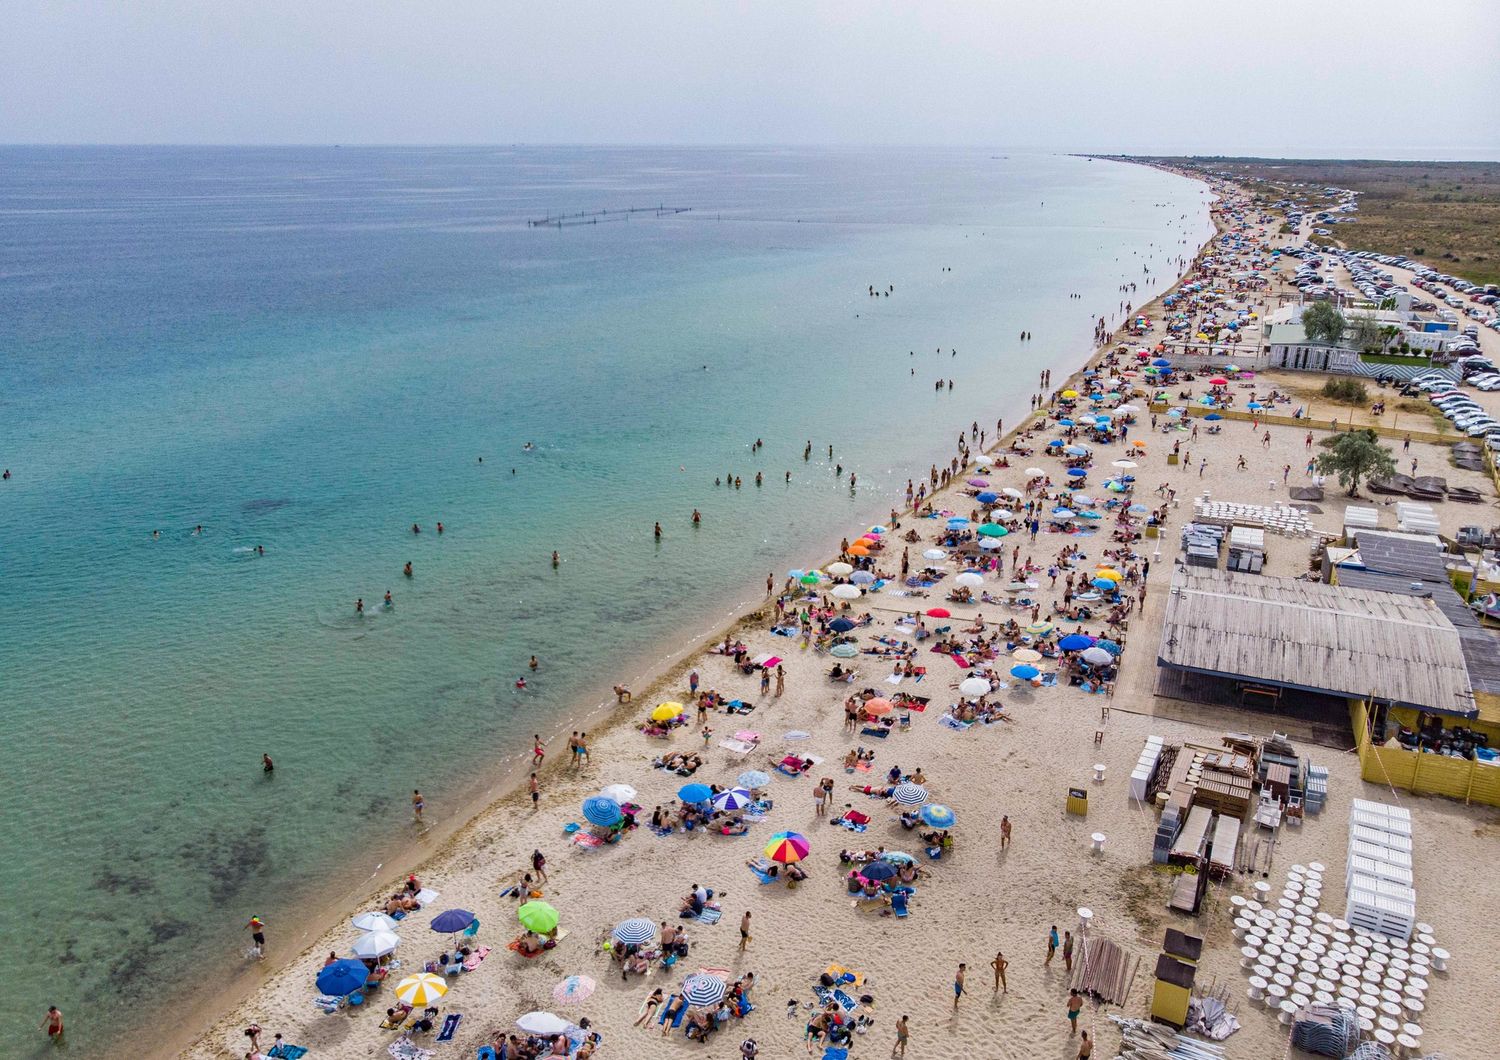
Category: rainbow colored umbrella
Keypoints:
(573, 989)
(787, 847)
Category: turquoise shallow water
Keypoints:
(308, 350)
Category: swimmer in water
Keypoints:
(406, 570)
(266, 764)
(359, 606)
(440, 528)
(197, 529)
(415, 528)
(533, 664)
(757, 478)
(696, 517)
(388, 601)
(658, 531)
(521, 682)
(156, 535)
(260, 550)
(555, 560)
(789, 476)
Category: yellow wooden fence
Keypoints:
(1422, 774)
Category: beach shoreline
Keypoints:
(649, 672)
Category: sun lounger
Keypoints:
(898, 903)
(388, 1024)
(287, 1051)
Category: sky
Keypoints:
(1328, 78)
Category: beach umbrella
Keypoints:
(602, 811)
(838, 570)
(898, 857)
(1161, 362)
(1124, 463)
(843, 651)
(939, 612)
(342, 978)
(1065, 422)
(421, 990)
(451, 921)
(909, 794)
(732, 800)
(979, 482)
(859, 548)
(841, 625)
(876, 530)
(1077, 472)
(878, 705)
(634, 932)
(1138, 444)
(990, 543)
(810, 578)
(1122, 409)
(787, 847)
(666, 711)
(1103, 584)
(1035, 472)
(934, 553)
(1025, 672)
(1079, 498)
(538, 917)
(1075, 642)
(1062, 515)
(1097, 656)
(1213, 416)
(1037, 629)
(1218, 380)
(1056, 443)
(573, 989)
(969, 580)
(376, 944)
(1070, 393)
(975, 686)
(862, 577)
(703, 989)
(845, 592)
(879, 870)
(1077, 450)
(1012, 492)
(693, 794)
(795, 573)
(621, 793)
(1109, 646)
(958, 522)
(1256, 405)
(1002, 513)
(1026, 655)
(938, 816)
(543, 1023)
(992, 530)
(987, 497)
(753, 778)
(1107, 572)
(375, 922)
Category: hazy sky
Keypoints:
(1302, 77)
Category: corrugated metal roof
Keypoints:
(1321, 638)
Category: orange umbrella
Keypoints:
(878, 706)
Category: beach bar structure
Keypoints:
(1275, 637)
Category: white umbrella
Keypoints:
(375, 944)
(991, 543)
(621, 793)
(1062, 515)
(934, 553)
(1097, 657)
(1123, 463)
(1011, 491)
(1126, 408)
(543, 1023)
(1035, 472)
(975, 686)
(970, 579)
(375, 922)
(845, 592)
(839, 570)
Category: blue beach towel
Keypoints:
(450, 1026)
(709, 916)
(287, 1051)
(681, 1013)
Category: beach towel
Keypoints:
(515, 947)
(403, 1048)
(863, 765)
(390, 1024)
(709, 915)
(963, 664)
(950, 722)
(476, 958)
(834, 1052)
(660, 831)
(879, 734)
(450, 1027)
(677, 1020)
(739, 747)
(844, 975)
(487, 1052)
(587, 840)
(287, 1051)
(894, 679)
(762, 875)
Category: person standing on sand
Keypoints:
(745, 931)
(538, 751)
(1068, 950)
(765, 680)
(535, 790)
(1075, 1006)
(1051, 945)
(1000, 964)
(416, 803)
(958, 984)
(1085, 1047)
(902, 1033)
(539, 865)
(693, 683)
(780, 680)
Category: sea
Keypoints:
(234, 382)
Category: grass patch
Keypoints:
(1414, 361)
(1346, 392)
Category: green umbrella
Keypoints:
(538, 917)
(809, 579)
(993, 530)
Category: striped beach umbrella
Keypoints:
(601, 811)
(634, 932)
(787, 847)
(421, 990)
(704, 989)
(753, 778)
(938, 816)
(732, 800)
(1037, 629)
(538, 917)
(573, 989)
(909, 794)
(1026, 655)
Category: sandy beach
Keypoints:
(977, 900)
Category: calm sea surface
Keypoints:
(309, 350)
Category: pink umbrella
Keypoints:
(979, 482)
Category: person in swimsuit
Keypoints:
(416, 803)
(899, 1049)
(1075, 1006)
(53, 1023)
(258, 936)
(266, 764)
(958, 984)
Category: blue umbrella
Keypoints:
(841, 625)
(958, 522)
(731, 800)
(987, 497)
(634, 932)
(1024, 672)
(1055, 443)
(1076, 450)
(862, 577)
(938, 816)
(1137, 509)
(342, 978)
(1213, 416)
(1162, 362)
(1109, 646)
(879, 870)
(1103, 584)
(1075, 642)
(601, 811)
(1065, 423)
(452, 921)
(695, 793)
(753, 778)
(1089, 515)
(1076, 472)
(795, 573)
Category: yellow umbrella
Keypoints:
(421, 990)
(1070, 393)
(1105, 572)
(666, 712)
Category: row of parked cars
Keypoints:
(1466, 414)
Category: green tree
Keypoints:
(1365, 331)
(1323, 323)
(1356, 455)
